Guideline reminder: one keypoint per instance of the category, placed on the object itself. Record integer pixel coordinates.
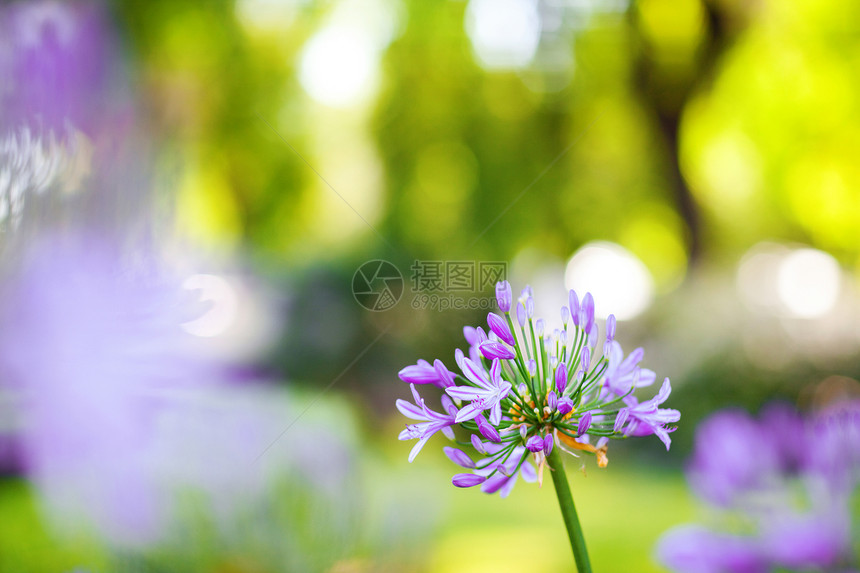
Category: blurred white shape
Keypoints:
(267, 14)
(28, 164)
(504, 33)
(808, 283)
(222, 314)
(620, 283)
(757, 272)
(339, 66)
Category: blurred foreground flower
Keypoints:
(57, 63)
(524, 393)
(790, 483)
(128, 429)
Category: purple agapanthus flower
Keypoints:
(787, 480)
(524, 391)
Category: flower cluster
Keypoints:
(789, 484)
(522, 391)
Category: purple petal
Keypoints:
(493, 350)
(446, 378)
(447, 406)
(410, 410)
(478, 444)
(500, 328)
(495, 483)
(417, 448)
(419, 374)
(503, 295)
(487, 430)
(496, 414)
(476, 373)
(466, 392)
(574, 307)
(565, 406)
(468, 413)
(621, 418)
(561, 378)
(552, 401)
(459, 457)
(467, 480)
(470, 333)
(534, 444)
(496, 373)
(632, 360)
(587, 312)
(584, 423)
(528, 472)
(547, 444)
(585, 358)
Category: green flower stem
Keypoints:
(568, 510)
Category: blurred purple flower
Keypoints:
(730, 457)
(693, 549)
(91, 352)
(56, 65)
(791, 481)
(121, 411)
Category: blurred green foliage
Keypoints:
(683, 130)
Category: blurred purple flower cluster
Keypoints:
(788, 481)
(55, 64)
(63, 101)
(521, 391)
(120, 414)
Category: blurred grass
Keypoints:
(623, 510)
(26, 545)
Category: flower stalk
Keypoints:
(568, 511)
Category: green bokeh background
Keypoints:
(686, 131)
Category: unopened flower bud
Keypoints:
(565, 406)
(467, 480)
(503, 295)
(584, 423)
(534, 444)
(500, 328)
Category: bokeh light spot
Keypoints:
(808, 283)
(504, 33)
(224, 305)
(620, 283)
